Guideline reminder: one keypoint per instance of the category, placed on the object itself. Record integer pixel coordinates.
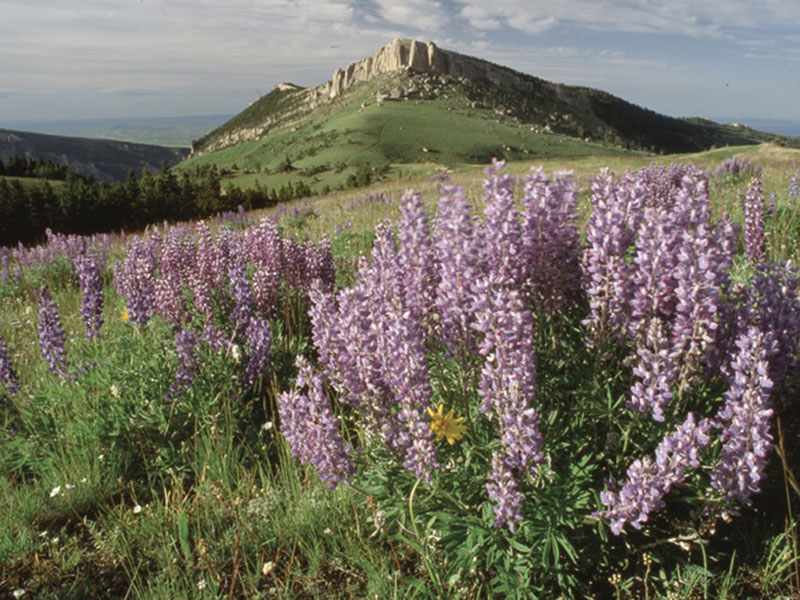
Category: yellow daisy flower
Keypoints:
(124, 314)
(446, 425)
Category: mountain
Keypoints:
(105, 160)
(413, 102)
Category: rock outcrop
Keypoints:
(420, 57)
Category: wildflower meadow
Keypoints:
(544, 386)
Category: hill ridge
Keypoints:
(407, 69)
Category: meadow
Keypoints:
(573, 380)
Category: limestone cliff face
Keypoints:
(420, 57)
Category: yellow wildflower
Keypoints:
(124, 314)
(446, 425)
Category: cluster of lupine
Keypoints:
(202, 285)
(239, 218)
(655, 270)
(461, 285)
(58, 246)
(677, 310)
(736, 167)
(371, 200)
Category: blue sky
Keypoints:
(733, 59)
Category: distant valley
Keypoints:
(104, 160)
(160, 131)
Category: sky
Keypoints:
(88, 59)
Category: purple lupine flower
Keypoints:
(347, 346)
(745, 419)
(91, 286)
(772, 205)
(168, 300)
(8, 375)
(319, 265)
(420, 275)
(406, 374)
(259, 344)
(294, 263)
(704, 258)
(242, 296)
(754, 235)
(551, 241)
(215, 339)
(177, 259)
(655, 370)
(188, 362)
(771, 302)
(176, 265)
(135, 281)
(51, 335)
(372, 349)
(650, 480)
(211, 268)
(400, 354)
(508, 385)
(266, 245)
(266, 289)
(794, 187)
(608, 275)
(654, 262)
(502, 228)
(311, 429)
(502, 489)
(459, 256)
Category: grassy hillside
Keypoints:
(380, 127)
(326, 146)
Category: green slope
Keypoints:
(327, 145)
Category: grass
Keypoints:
(111, 491)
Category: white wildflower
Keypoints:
(137, 509)
(55, 491)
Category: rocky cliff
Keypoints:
(422, 58)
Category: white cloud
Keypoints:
(711, 18)
(419, 15)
